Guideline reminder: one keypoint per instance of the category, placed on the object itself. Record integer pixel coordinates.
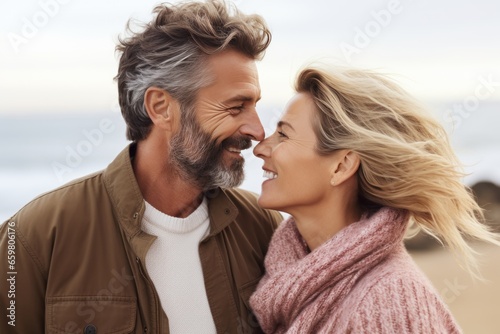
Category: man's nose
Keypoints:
(253, 127)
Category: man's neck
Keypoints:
(161, 185)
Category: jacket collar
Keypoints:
(128, 202)
(221, 210)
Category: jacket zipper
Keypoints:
(150, 283)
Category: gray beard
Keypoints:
(199, 159)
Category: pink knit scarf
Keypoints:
(301, 291)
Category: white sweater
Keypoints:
(173, 263)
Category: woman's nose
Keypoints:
(262, 149)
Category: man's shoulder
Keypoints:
(64, 200)
(62, 216)
(75, 199)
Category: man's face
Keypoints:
(207, 149)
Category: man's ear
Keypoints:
(161, 107)
(345, 166)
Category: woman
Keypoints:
(354, 161)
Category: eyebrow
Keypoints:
(241, 98)
(283, 123)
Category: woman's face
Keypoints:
(297, 176)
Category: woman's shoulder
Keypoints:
(397, 275)
(397, 294)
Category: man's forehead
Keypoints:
(232, 63)
(243, 98)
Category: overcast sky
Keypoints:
(58, 55)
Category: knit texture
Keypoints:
(173, 264)
(362, 280)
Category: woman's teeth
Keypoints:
(270, 175)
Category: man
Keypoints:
(158, 242)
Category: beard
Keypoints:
(199, 160)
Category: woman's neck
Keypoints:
(321, 222)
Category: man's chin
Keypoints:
(229, 177)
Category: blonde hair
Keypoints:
(406, 159)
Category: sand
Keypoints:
(474, 304)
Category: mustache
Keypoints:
(239, 142)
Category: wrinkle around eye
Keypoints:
(235, 110)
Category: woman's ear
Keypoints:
(161, 107)
(345, 166)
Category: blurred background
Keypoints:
(59, 116)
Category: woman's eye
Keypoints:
(281, 134)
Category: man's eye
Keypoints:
(236, 109)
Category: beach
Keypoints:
(474, 304)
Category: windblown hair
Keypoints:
(171, 51)
(406, 159)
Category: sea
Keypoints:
(41, 151)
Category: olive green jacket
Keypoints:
(73, 259)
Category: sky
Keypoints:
(58, 55)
